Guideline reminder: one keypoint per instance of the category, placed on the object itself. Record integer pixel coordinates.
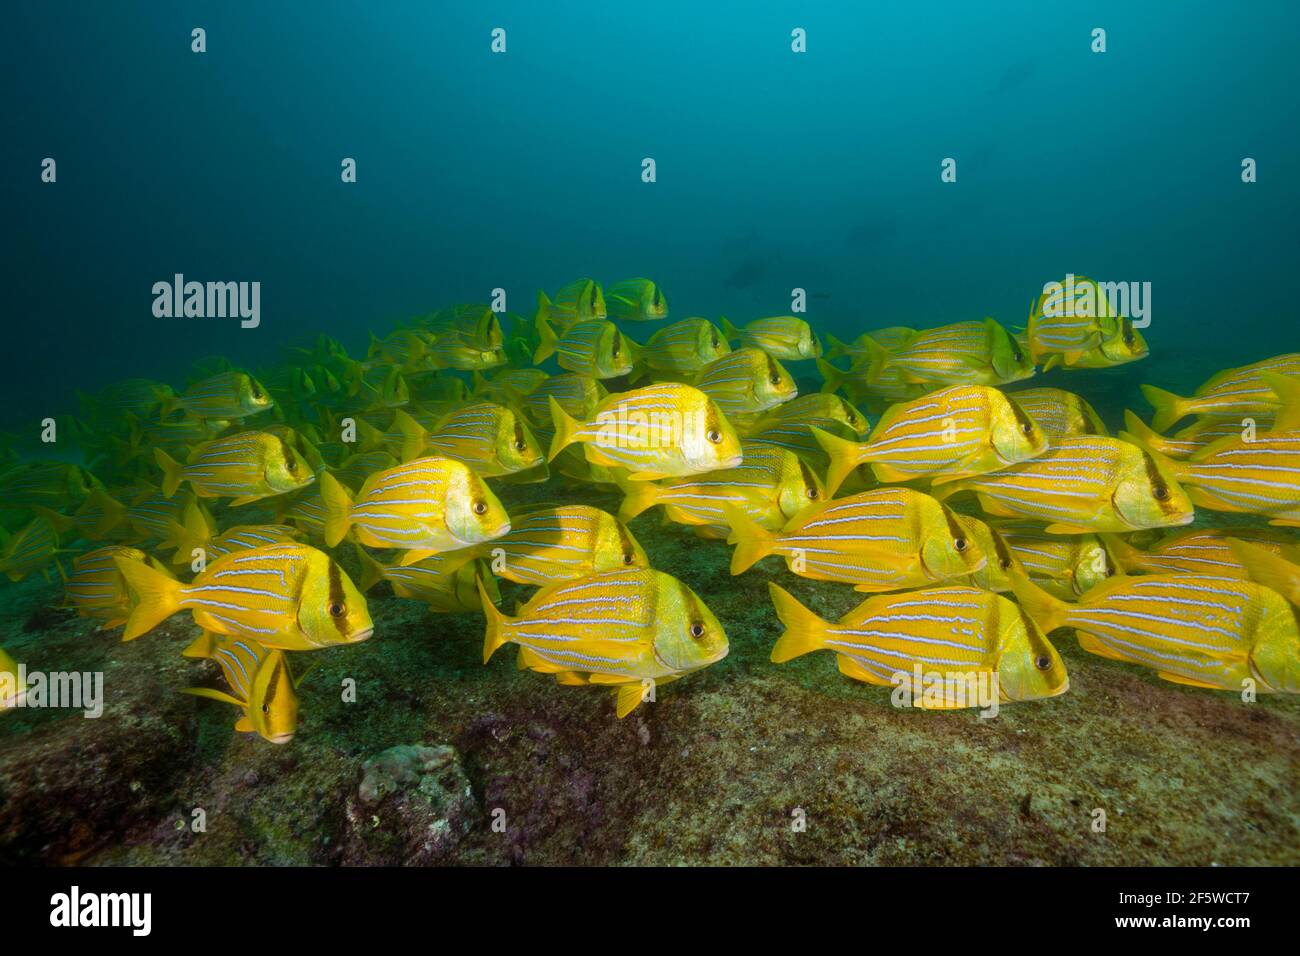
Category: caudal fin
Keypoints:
(1127, 558)
(338, 508)
(752, 541)
(1139, 429)
(804, 631)
(171, 469)
(832, 378)
(729, 331)
(637, 497)
(545, 337)
(372, 572)
(1047, 612)
(415, 438)
(566, 428)
(1268, 569)
(158, 597)
(1169, 407)
(845, 455)
(1287, 390)
(496, 621)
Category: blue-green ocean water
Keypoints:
(775, 170)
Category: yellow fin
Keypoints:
(628, 698)
(1188, 681)
(851, 668)
(752, 541)
(1094, 646)
(415, 555)
(211, 694)
(804, 630)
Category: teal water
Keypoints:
(521, 170)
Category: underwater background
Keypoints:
(522, 170)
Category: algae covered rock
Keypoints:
(414, 806)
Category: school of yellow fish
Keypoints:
(976, 518)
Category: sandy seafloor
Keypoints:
(713, 772)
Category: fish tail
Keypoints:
(113, 510)
(1169, 407)
(186, 537)
(158, 597)
(372, 572)
(804, 630)
(338, 507)
(496, 621)
(1287, 390)
(729, 331)
(832, 378)
(1125, 556)
(1047, 612)
(415, 438)
(845, 455)
(877, 358)
(637, 497)
(546, 340)
(837, 348)
(1268, 569)
(1142, 431)
(566, 428)
(59, 522)
(171, 469)
(203, 646)
(752, 541)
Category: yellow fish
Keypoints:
(939, 645)
(247, 467)
(579, 301)
(550, 545)
(660, 431)
(509, 386)
(1258, 476)
(964, 353)
(780, 336)
(947, 435)
(890, 383)
(474, 325)
(229, 395)
(878, 540)
(97, 589)
(630, 629)
(577, 394)
(1233, 393)
(636, 299)
(423, 507)
(1192, 439)
(490, 438)
(287, 596)
(197, 535)
(999, 559)
(596, 348)
(770, 486)
(1060, 414)
(260, 683)
(99, 517)
(1121, 345)
(445, 582)
(684, 347)
(1084, 484)
(31, 548)
(1066, 566)
(746, 380)
(1198, 551)
(1203, 631)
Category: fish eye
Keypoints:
(480, 507)
(1027, 428)
(1004, 564)
(628, 557)
(714, 436)
(959, 544)
(1042, 662)
(266, 708)
(697, 629)
(812, 493)
(337, 609)
(775, 379)
(520, 444)
(292, 466)
(1161, 491)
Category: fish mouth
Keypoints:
(360, 636)
(281, 738)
